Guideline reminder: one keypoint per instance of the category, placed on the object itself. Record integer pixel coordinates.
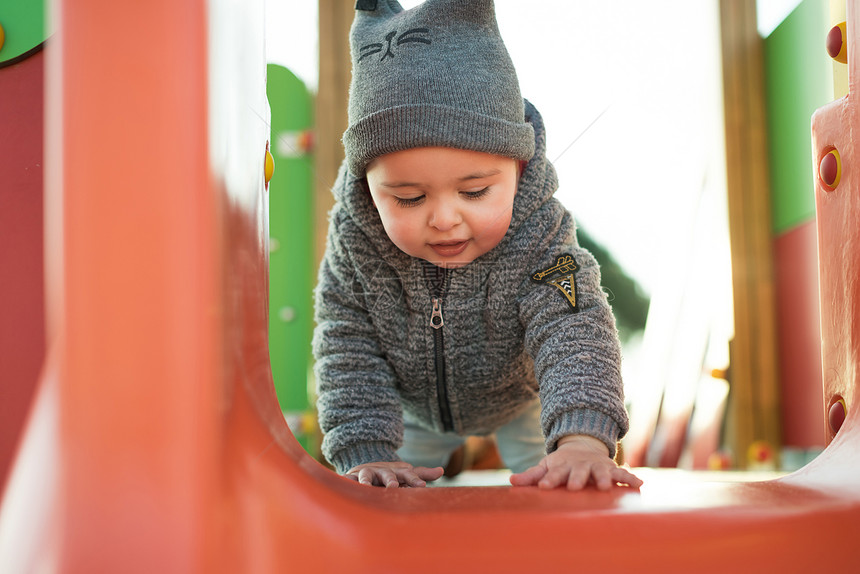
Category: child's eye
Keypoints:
(477, 194)
(408, 201)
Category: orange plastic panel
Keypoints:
(157, 444)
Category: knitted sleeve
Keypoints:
(572, 338)
(359, 409)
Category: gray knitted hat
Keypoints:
(436, 75)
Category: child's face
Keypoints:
(447, 206)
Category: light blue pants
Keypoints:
(520, 442)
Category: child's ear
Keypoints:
(522, 167)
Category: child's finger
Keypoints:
(578, 477)
(603, 477)
(626, 477)
(387, 478)
(366, 476)
(414, 481)
(428, 474)
(556, 477)
(529, 476)
(408, 477)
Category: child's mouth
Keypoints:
(449, 248)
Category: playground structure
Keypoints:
(21, 292)
(156, 443)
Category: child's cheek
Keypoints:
(496, 228)
(398, 230)
(405, 232)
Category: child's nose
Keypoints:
(445, 216)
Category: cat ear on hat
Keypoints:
(372, 6)
(466, 10)
(370, 10)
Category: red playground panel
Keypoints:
(157, 444)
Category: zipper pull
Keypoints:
(436, 316)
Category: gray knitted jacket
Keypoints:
(506, 340)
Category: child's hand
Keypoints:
(393, 474)
(577, 460)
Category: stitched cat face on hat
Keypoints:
(436, 75)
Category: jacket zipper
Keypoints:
(437, 322)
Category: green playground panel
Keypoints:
(23, 24)
(799, 80)
(291, 268)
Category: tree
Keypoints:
(629, 302)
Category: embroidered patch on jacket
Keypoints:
(562, 276)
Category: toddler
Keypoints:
(453, 299)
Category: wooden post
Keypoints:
(754, 398)
(335, 19)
